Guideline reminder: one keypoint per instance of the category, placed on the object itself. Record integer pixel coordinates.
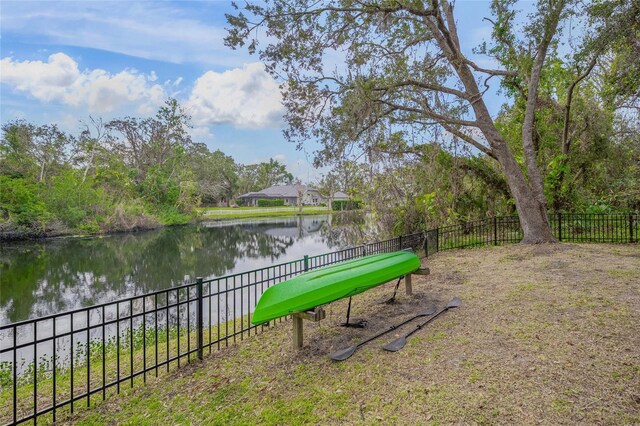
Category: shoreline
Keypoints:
(10, 232)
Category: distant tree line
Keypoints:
(124, 174)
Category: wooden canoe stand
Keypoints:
(318, 313)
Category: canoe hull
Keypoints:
(331, 283)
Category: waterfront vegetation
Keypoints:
(545, 332)
(124, 175)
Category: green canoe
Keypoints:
(325, 285)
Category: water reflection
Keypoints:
(41, 278)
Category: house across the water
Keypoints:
(290, 194)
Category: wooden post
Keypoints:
(315, 315)
(297, 332)
(407, 283)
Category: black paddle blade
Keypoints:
(396, 345)
(454, 303)
(343, 354)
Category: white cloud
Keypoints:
(172, 32)
(245, 97)
(280, 157)
(60, 80)
(201, 134)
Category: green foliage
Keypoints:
(158, 188)
(173, 216)
(340, 205)
(276, 202)
(254, 177)
(137, 181)
(20, 202)
(78, 204)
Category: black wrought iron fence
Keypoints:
(566, 227)
(52, 364)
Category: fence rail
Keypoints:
(50, 365)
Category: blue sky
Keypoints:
(63, 61)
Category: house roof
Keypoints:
(340, 196)
(279, 191)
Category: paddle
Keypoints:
(399, 343)
(343, 354)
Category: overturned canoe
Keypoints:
(325, 285)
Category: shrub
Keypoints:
(277, 202)
(20, 201)
(130, 216)
(74, 202)
(346, 204)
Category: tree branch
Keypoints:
(567, 108)
(429, 113)
(427, 86)
(469, 140)
(490, 71)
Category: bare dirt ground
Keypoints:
(546, 334)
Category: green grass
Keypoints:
(249, 212)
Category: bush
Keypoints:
(130, 216)
(346, 205)
(277, 202)
(20, 201)
(173, 216)
(75, 203)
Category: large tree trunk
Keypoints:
(531, 205)
(532, 212)
(528, 194)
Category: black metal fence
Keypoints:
(52, 365)
(566, 227)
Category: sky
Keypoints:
(64, 61)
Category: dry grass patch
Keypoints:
(546, 334)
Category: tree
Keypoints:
(25, 145)
(15, 149)
(405, 73)
(90, 145)
(254, 177)
(158, 142)
(215, 173)
(273, 173)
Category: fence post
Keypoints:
(437, 239)
(199, 316)
(306, 263)
(630, 227)
(495, 230)
(426, 244)
(400, 242)
(364, 250)
(559, 226)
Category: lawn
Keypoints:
(246, 212)
(546, 334)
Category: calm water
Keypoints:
(41, 278)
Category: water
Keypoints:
(47, 277)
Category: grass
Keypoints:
(167, 344)
(546, 334)
(247, 212)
